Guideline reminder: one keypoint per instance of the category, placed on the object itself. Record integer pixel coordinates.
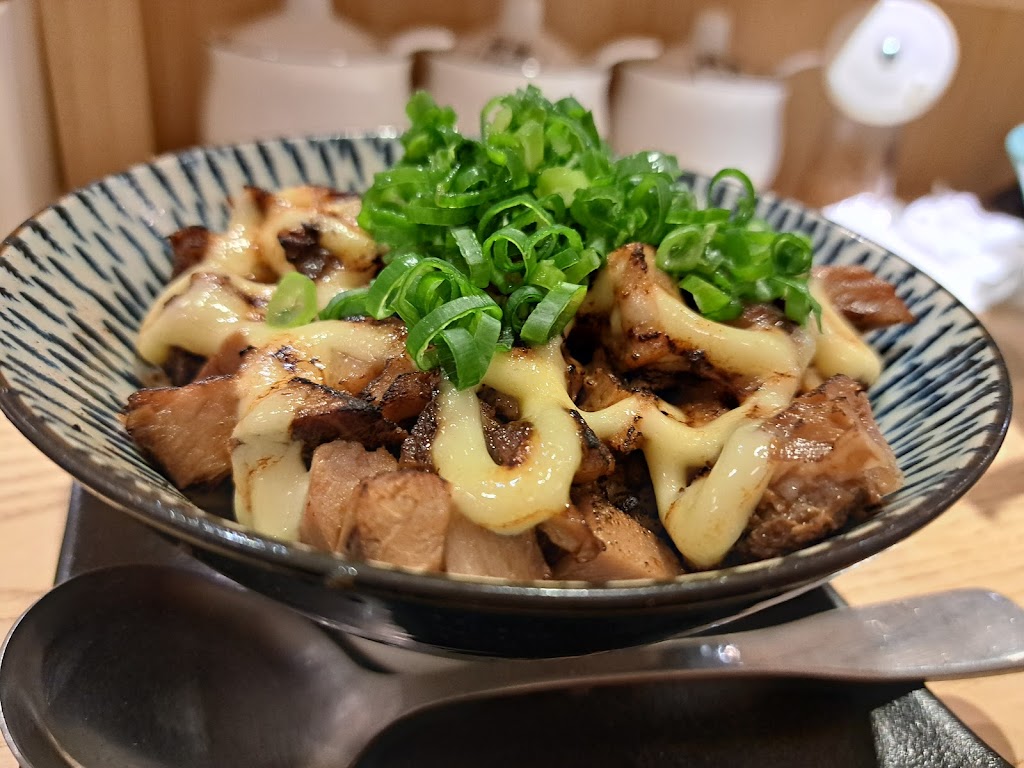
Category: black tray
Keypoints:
(728, 724)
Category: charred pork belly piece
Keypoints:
(323, 415)
(599, 386)
(829, 460)
(187, 430)
(763, 316)
(228, 359)
(416, 447)
(356, 375)
(503, 406)
(335, 472)
(402, 518)
(507, 443)
(569, 533)
(182, 367)
(573, 374)
(472, 550)
(628, 550)
(865, 300)
(313, 229)
(628, 488)
(189, 247)
(598, 460)
(401, 391)
(302, 249)
(635, 340)
(638, 299)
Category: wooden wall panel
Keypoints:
(959, 143)
(96, 60)
(175, 37)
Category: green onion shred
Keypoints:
(293, 302)
(493, 241)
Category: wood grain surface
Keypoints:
(128, 77)
(979, 542)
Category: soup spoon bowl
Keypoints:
(155, 666)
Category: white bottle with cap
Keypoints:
(885, 67)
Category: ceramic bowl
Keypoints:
(76, 279)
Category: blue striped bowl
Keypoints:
(76, 279)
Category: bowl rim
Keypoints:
(206, 530)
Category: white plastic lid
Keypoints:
(894, 65)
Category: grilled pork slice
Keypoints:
(326, 414)
(598, 460)
(353, 374)
(416, 447)
(335, 473)
(349, 374)
(569, 532)
(628, 549)
(829, 461)
(187, 430)
(402, 518)
(183, 367)
(637, 297)
(507, 443)
(866, 300)
(401, 391)
(189, 247)
(502, 405)
(635, 339)
(473, 550)
(304, 251)
(599, 386)
(228, 359)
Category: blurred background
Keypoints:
(91, 87)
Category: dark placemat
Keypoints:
(721, 723)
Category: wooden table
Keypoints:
(979, 542)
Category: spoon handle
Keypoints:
(955, 634)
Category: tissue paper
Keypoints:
(976, 254)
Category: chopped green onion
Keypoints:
(744, 209)
(447, 316)
(519, 305)
(346, 304)
(387, 285)
(463, 355)
(553, 313)
(682, 249)
(293, 302)
(477, 268)
(711, 300)
(492, 242)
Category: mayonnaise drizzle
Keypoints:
(704, 517)
(728, 457)
(226, 292)
(840, 348)
(270, 476)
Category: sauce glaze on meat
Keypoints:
(647, 442)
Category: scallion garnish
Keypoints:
(493, 242)
(293, 302)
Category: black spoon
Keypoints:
(150, 666)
